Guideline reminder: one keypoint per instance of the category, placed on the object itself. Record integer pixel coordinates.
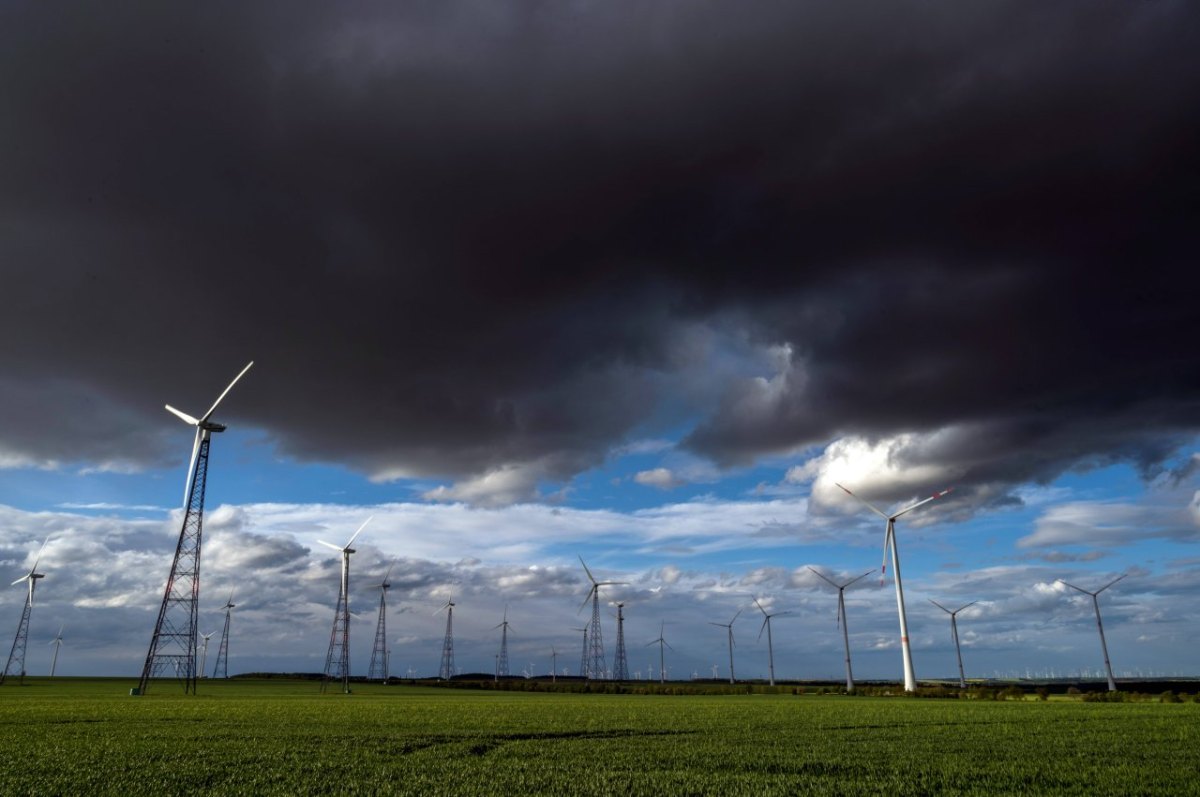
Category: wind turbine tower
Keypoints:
(595, 652)
(16, 656)
(57, 643)
(841, 588)
(889, 541)
(1112, 684)
(962, 678)
(203, 651)
(379, 653)
(502, 657)
(221, 669)
(447, 668)
(173, 643)
(661, 641)
(729, 628)
(620, 664)
(766, 624)
(337, 659)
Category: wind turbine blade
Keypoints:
(668, 644)
(337, 548)
(783, 614)
(585, 600)
(213, 408)
(18, 581)
(872, 507)
(360, 528)
(829, 581)
(1106, 586)
(762, 628)
(940, 606)
(46, 542)
(1072, 586)
(921, 502)
(960, 608)
(864, 575)
(887, 540)
(183, 416)
(388, 574)
(230, 601)
(585, 569)
(710, 622)
(735, 617)
(759, 605)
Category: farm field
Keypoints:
(77, 736)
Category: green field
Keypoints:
(90, 737)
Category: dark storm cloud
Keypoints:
(466, 236)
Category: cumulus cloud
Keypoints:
(662, 478)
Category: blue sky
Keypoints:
(642, 284)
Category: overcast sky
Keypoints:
(633, 281)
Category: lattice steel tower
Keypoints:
(16, 656)
(502, 659)
(379, 654)
(594, 659)
(337, 660)
(174, 640)
(446, 670)
(620, 665)
(221, 669)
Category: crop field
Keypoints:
(80, 736)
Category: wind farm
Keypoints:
(605, 315)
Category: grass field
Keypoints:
(90, 737)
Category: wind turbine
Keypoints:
(729, 627)
(57, 643)
(203, 652)
(502, 657)
(889, 540)
(446, 671)
(222, 665)
(962, 679)
(337, 660)
(662, 672)
(175, 628)
(767, 625)
(1112, 684)
(16, 656)
(379, 653)
(553, 665)
(583, 657)
(841, 588)
(620, 663)
(595, 654)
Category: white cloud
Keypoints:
(662, 478)
(1113, 523)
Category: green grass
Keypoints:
(90, 737)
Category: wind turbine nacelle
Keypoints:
(209, 426)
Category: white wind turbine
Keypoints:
(204, 650)
(770, 646)
(174, 637)
(1112, 684)
(962, 679)
(339, 637)
(57, 643)
(16, 656)
(729, 627)
(595, 651)
(662, 672)
(889, 540)
(841, 588)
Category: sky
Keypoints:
(640, 283)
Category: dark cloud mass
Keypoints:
(462, 236)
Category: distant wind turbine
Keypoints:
(57, 643)
(841, 588)
(889, 541)
(962, 679)
(595, 656)
(770, 648)
(337, 659)
(661, 641)
(729, 628)
(16, 656)
(1112, 684)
